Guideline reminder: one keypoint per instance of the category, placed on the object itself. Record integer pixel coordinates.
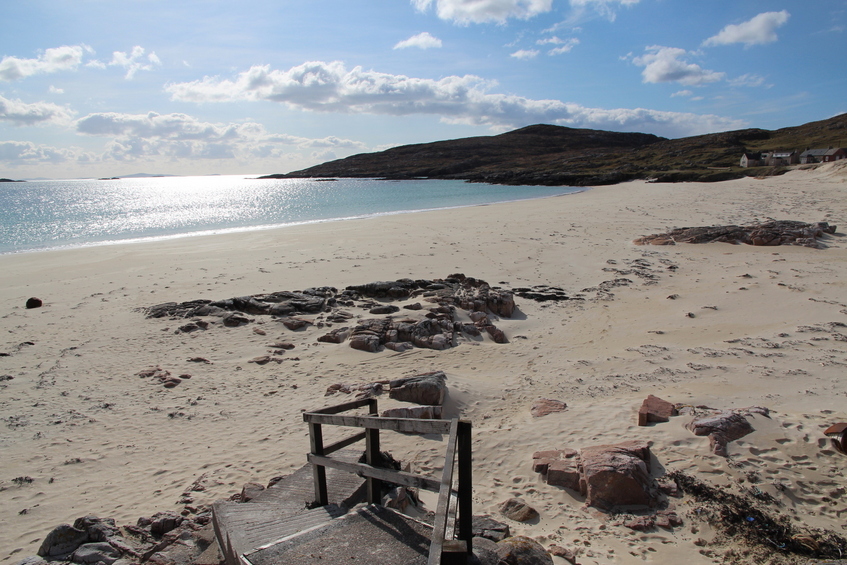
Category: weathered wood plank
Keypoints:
(353, 404)
(319, 473)
(342, 443)
(406, 425)
(438, 529)
(398, 477)
(465, 483)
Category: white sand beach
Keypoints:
(766, 329)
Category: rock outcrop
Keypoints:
(777, 232)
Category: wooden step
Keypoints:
(371, 535)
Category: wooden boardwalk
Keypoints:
(281, 511)
(311, 516)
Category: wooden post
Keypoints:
(373, 456)
(464, 448)
(318, 471)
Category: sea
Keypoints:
(57, 214)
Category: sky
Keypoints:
(94, 88)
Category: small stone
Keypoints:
(259, 331)
(34, 303)
(566, 554)
(545, 406)
(518, 510)
(654, 409)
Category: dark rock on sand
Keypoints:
(427, 388)
(522, 550)
(777, 232)
(518, 510)
(34, 303)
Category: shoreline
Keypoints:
(97, 439)
(262, 227)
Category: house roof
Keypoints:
(814, 152)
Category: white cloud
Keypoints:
(525, 54)
(134, 61)
(667, 64)
(23, 114)
(55, 90)
(566, 47)
(181, 136)
(606, 8)
(421, 41)
(65, 58)
(748, 80)
(15, 153)
(757, 31)
(483, 11)
(330, 87)
(682, 93)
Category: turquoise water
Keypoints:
(39, 215)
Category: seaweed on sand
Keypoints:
(741, 517)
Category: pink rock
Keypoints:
(617, 475)
(564, 473)
(542, 459)
(654, 409)
(545, 406)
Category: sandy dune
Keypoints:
(747, 326)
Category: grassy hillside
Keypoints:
(554, 155)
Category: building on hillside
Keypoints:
(751, 160)
(781, 158)
(823, 155)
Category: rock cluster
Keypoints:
(439, 330)
(607, 475)
(163, 538)
(777, 232)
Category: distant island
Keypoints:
(11, 180)
(560, 156)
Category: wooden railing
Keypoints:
(443, 548)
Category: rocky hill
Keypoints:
(555, 155)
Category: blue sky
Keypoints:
(95, 88)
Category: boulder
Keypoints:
(95, 553)
(521, 550)
(337, 335)
(654, 409)
(617, 475)
(545, 406)
(721, 428)
(62, 541)
(365, 342)
(489, 528)
(427, 388)
(518, 510)
(98, 529)
(164, 522)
